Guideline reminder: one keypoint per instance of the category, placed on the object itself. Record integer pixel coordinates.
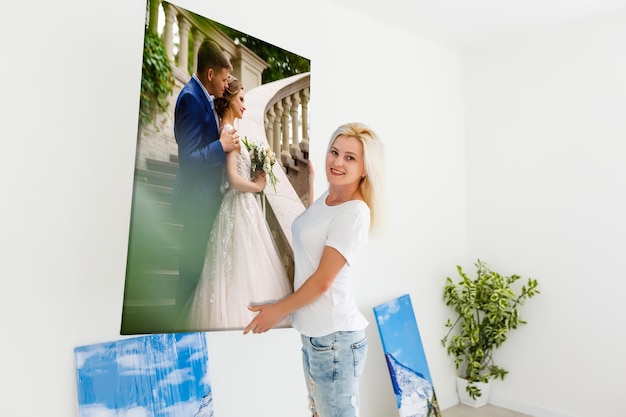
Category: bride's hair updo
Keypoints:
(222, 103)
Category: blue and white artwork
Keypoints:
(159, 375)
(406, 360)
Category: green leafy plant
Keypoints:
(486, 308)
(157, 80)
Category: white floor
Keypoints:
(488, 410)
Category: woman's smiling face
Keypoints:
(345, 162)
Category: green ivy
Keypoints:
(157, 80)
(486, 310)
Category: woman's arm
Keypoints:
(317, 284)
(311, 196)
(240, 183)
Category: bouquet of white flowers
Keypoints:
(263, 159)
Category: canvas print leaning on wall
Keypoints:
(406, 360)
(220, 174)
(158, 375)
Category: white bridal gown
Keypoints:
(242, 266)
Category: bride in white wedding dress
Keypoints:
(242, 266)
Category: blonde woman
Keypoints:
(327, 241)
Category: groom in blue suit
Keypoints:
(202, 149)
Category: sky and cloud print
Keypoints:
(158, 375)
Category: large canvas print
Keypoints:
(410, 377)
(159, 375)
(220, 174)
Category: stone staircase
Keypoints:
(153, 244)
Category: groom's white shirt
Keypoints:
(208, 97)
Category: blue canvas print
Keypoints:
(406, 360)
(160, 375)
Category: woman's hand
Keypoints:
(260, 178)
(311, 171)
(269, 315)
(229, 139)
(311, 190)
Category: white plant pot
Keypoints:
(465, 398)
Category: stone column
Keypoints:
(285, 156)
(183, 52)
(198, 37)
(295, 137)
(278, 112)
(168, 31)
(269, 128)
(304, 99)
(153, 16)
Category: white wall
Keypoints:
(546, 188)
(69, 111)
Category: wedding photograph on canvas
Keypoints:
(221, 172)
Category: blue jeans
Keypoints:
(332, 367)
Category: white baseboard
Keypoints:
(520, 407)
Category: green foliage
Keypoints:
(157, 80)
(486, 310)
(282, 64)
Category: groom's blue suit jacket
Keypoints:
(196, 196)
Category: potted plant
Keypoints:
(486, 309)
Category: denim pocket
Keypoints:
(359, 354)
(322, 344)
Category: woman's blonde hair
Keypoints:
(372, 185)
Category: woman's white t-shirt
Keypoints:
(344, 227)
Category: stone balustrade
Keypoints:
(286, 120)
